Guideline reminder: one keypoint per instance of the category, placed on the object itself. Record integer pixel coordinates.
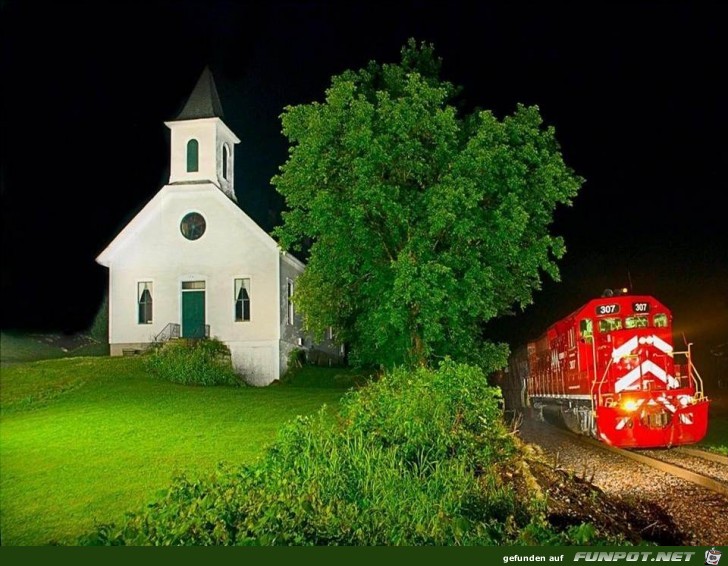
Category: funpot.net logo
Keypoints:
(712, 557)
(636, 556)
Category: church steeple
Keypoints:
(204, 102)
(202, 148)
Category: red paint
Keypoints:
(640, 392)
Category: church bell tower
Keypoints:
(202, 146)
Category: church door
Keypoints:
(193, 309)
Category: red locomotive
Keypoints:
(610, 371)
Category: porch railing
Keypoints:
(172, 330)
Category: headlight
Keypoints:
(630, 405)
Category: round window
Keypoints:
(192, 226)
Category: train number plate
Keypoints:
(607, 309)
(641, 307)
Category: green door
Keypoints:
(193, 314)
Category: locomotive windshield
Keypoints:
(637, 321)
(610, 324)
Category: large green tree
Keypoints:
(421, 223)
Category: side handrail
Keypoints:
(600, 384)
(693, 372)
(171, 330)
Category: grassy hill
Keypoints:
(27, 347)
(86, 439)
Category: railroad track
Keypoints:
(712, 456)
(705, 481)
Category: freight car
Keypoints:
(609, 370)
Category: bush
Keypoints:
(193, 362)
(417, 458)
(296, 359)
(99, 329)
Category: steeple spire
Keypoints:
(201, 143)
(204, 101)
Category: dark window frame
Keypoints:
(242, 299)
(193, 156)
(145, 303)
(225, 162)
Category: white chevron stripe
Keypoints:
(627, 380)
(646, 367)
(670, 407)
(660, 344)
(631, 344)
(686, 418)
(624, 349)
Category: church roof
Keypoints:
(204, 101)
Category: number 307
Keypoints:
(608, 309)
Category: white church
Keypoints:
(192, 264)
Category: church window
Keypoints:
(289, 293)
(225, 158)
(193, 156)
(242, 300)
(144, 300)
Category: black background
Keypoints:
(634, 91)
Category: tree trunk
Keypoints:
(417, 345)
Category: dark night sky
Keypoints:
(632, 89)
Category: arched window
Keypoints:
(144, 301)
(225, 162)
(193, 156)
(289, 293)
(242, 300)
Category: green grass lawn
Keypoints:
(24, 347)
(84, 440)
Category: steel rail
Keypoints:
(672, 469)
(712, 456)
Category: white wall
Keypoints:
(205, 132)
(211, 134)
(156, 251)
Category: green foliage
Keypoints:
(193, 362)
(99, 329)
(296, 359)
(433, 415)
(415, 459)
(717, 438)
(424, 224)
(318, 377)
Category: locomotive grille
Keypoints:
(656, 420)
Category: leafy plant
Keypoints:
(193, 362)
(422, 223)
(416, 458)
(99, 329)
(296, 359)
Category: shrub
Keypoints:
(193, 362)
(99, 329)
(296, 359)
(414, 459)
